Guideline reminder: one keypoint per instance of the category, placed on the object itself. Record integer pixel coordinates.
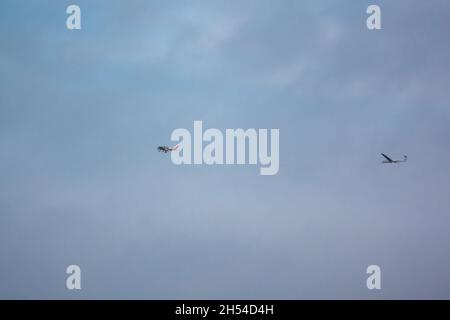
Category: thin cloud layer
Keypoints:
(81, 113)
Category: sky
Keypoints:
(81, 182)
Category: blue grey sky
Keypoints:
(82, 112)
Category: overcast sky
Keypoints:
(81, 182)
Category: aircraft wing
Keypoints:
(387, 158)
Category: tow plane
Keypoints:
(167, 149)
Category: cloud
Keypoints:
(82, 112)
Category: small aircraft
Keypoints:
(166, 149)
(389, 160)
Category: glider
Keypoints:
(389, 160)
(166, 149)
